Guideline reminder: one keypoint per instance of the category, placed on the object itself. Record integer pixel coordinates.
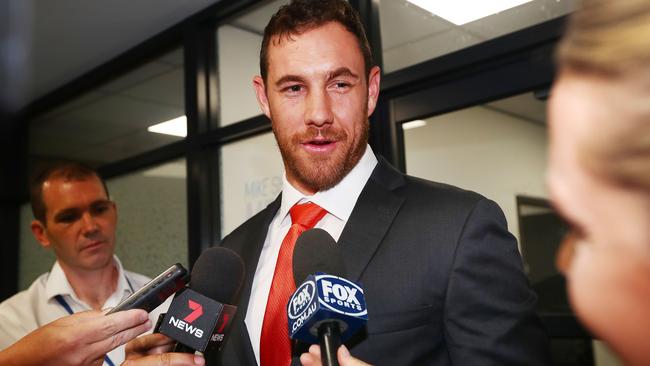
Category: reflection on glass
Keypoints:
(251, 178)
(239, 54)
(110, 122)
(411, 34)
(497, 149)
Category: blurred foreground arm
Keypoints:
(76, 340)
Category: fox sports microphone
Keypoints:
(200, 315)
(326, 308)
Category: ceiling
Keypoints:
(411, 34)
(67, 38)
(109, 123)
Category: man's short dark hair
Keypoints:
(68, 171)
(303, 15)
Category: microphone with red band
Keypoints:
(200, 315)
(326, 308)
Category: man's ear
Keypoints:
(114, 208)
(374, 78)
(38, 229)
(260, 92)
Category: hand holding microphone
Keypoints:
(80, 339)
(326, 308)
(313, 358)
(154, 350)
(85, 338)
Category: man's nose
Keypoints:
(89, 223)
(319, 108)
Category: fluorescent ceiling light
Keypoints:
(461, 12)
(174, 127)
(413, 124)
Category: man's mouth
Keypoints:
(94, 244)
(319, 145)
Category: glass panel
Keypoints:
(239, 54)
(151, 230)
(110, 122)
(410, 34)
(152, 217)
(251, 178)
(497, 149)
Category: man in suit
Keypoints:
(442, 276)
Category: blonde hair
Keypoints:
(611, 39)
(608, 37)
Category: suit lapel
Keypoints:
(371, 217)
(250, 253)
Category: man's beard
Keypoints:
(321, 172)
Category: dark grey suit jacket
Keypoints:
(442, 276)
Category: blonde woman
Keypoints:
(599, 172)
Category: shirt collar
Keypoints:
(57, 282)
(338, 200)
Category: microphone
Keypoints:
(326, 308)
(200, 315)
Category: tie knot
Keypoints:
(306, 214)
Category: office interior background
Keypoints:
(462, 101)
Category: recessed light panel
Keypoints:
(462, 12)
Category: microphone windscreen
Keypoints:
(218, 274)
(316, 251)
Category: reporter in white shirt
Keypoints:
(75, 218)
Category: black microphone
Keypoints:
(199, 316)
(326, 308)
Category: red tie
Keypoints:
(275, 346)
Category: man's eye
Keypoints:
(99, 209)
(68, 218)
(341, 85)
(294, 88)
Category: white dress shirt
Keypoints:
(338, 201)
(37, 306)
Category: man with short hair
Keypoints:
(76, 219)
(443, 279)
(442, 276)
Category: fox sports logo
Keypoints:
(341, 295)
(301, 299)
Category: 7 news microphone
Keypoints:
(326, 308)
(200, 315)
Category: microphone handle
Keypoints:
(329, 336)
(181, 348)
(161, 316)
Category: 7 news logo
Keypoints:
(185, 324)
